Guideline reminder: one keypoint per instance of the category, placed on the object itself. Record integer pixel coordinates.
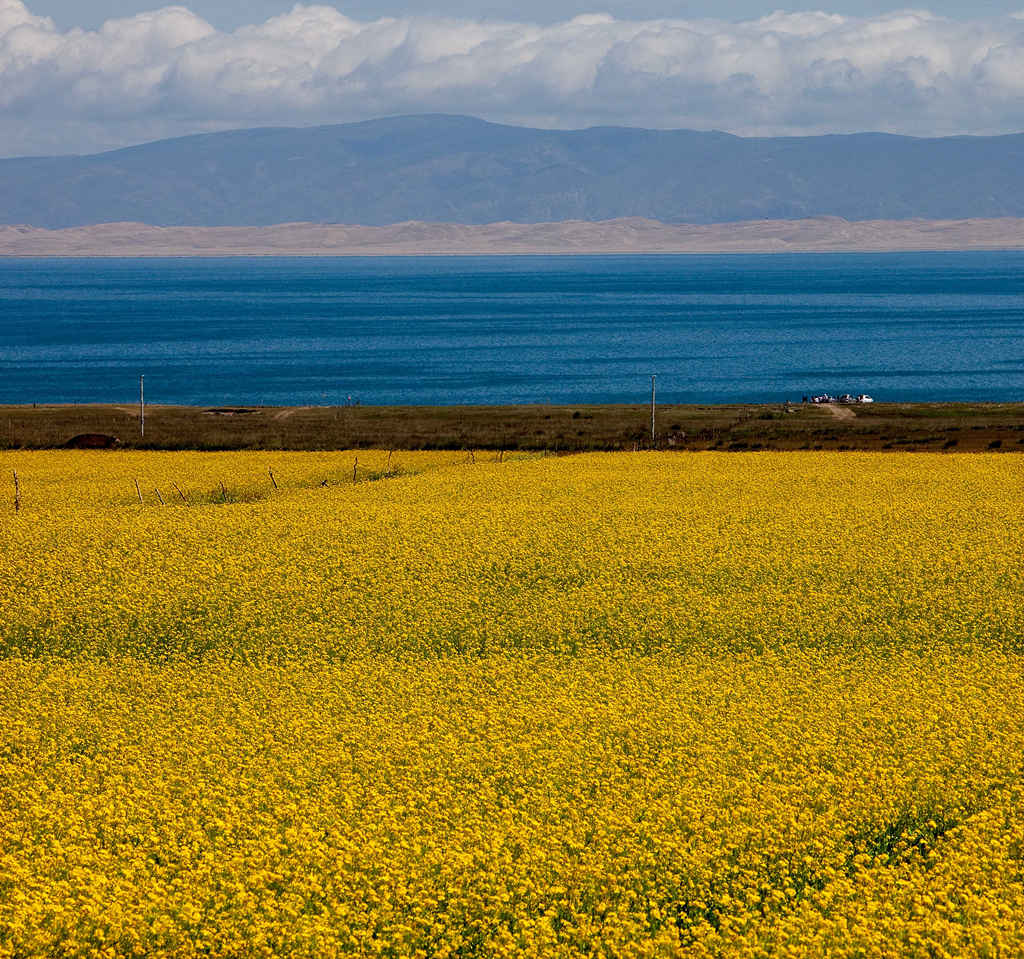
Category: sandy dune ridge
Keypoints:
(627, 235)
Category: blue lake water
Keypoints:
(576, 329)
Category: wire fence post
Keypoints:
(654, 377)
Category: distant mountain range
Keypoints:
(462, 170)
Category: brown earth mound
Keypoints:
(92, 441)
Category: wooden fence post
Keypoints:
(17, 492)
(137, 490)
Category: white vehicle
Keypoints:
(864, 398)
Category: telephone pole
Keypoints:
(142, 404)
(654, 377)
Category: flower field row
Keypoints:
(805, 804)
(614, 551)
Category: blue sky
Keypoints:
(72, 81)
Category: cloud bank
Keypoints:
(170, 72)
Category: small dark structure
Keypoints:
(92, 441)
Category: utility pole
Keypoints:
(142, 405)
(654, 377)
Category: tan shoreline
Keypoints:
(621, 236)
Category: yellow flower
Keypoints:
(622, 704)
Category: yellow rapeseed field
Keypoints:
(434, 704)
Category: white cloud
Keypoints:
(169, 72)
